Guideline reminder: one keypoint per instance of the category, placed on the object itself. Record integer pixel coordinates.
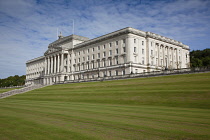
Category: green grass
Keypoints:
(6, 89)
(169, 107)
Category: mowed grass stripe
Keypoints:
(116, 122)
(169, 107)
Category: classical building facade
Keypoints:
(118, 53)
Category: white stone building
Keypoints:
(118, 53)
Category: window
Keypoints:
(98, 55)
(151, 43)
(136, 70)
(88, 66)
(74, 60)
(93, 66)
(104, 54)
(88, 50)
(116, 42)
(83, 58)
(83, 66)
(123, 40)
(151, 52)
(142, 60)
(116, 60)
(79, 60)
(104, 63)
(135, 49)
(110, 52)
(142, 42)
(124, 50)
(79, 53)
(116, 51)
(93, 49)
(110, 62)
(98, 64)
(142, 51)
(83, 51)
(110, 73)
(98, 47)
(104, 46)
(93, 56)
(116, 72)
(134, 40)
(123, 72)
(110, 44)
(88, 58)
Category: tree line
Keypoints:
(200, 58)
(13, 81)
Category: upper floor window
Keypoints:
(110, 52)
(79, 53)
(142, 51)
(93, 56)
(88, 58)
(104, 46)
(124, 49)
(151, 43)
(123, 40)
(104, 54)
(83, 58)
(88, 50)
(98, 47)
(110, 44)
(135, 49)
(116, 42)
(93, 49)
(134, 40)
(151, 52)
(98, 55)
(142, 42)
(116, 51)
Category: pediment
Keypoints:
(52, 50)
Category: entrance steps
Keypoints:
(19, 91)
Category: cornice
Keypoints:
(35, 59)
(165, 39)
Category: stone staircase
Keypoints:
(19, 91)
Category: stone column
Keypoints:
(58, 63)
(51, 69)
(172, 55)
(45, 69)
(55, 64)
(62, 66)
(68, 58)
(48, 65)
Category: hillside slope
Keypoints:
(169, 107)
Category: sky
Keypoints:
(28, 26)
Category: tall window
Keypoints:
(142, 51)
(98, 55)
(116, 72)
(123, 40)
(98, 47)
(151, 52)
(79, 53)
(98, 64)
(116, 60)
(116, 42)
(93, 56)
(104, 46)
(110, 73)
(79, 60)
(88, 50)
(88, 58)
(142, 42)
(104, 54)
(135, 49)
(142, 60)
(124, 49)
(93, 49)
(134, 40)
(116, 51)
(110, 52)
(110, 44)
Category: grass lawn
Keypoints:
(6, 89)
(169, 107)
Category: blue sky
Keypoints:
(28, 26)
